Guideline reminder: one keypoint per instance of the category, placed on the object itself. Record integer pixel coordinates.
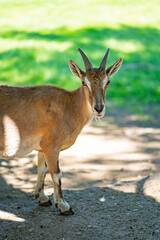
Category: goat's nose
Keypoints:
(99, 108)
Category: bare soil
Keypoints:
(111, 178)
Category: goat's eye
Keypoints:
(84, 84)
(107, 83)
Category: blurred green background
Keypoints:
(39, 37)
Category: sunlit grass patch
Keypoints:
(124, 46)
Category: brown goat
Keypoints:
(48, 119)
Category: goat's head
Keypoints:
(96, 80)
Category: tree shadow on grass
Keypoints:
(42, 62)
(93, 40)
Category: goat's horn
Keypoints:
(87, 63)
(103, 63)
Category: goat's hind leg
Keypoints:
(39, 190)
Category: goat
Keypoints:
(49, 119)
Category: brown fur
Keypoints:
(40, 111)
(49, 119)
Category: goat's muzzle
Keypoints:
(99, 110)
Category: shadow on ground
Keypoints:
(112, 184)
(100, 213)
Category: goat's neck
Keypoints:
(83, 105)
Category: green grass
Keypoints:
(39, 37)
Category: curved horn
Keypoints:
(87, 63)
(103, 63)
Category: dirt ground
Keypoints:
(111, 178)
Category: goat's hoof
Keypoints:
(68, 212)
(36, 195)
(45, 204)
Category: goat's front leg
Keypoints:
(39, 191)
(52, 160)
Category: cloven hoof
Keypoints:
(46, 204)
(68, 212)
(36, 195)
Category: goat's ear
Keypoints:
(76, 70)
(114, 68)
